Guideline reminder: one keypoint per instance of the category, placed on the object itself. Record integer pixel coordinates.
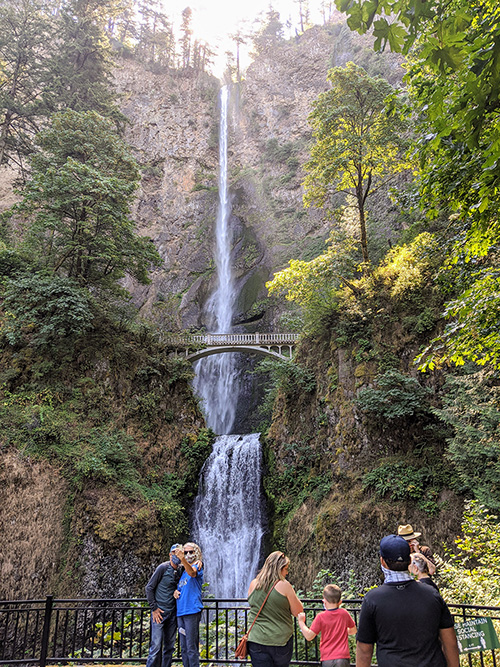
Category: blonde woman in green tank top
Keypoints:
(270, 642)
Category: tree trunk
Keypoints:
(361, 197)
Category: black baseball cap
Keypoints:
(394, 548)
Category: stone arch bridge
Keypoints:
(197, 346)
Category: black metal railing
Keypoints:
(43, 632)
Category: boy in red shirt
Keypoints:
(334, 624)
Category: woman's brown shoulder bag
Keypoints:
(241, 651)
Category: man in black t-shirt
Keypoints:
(410, 624)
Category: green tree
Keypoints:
(472, 575)
(156, 41)
(454, 80)
(471, 406)
(359, 145)
(82, 63)
(26, 28)
(78, 202)
(270, 33)
(239, 38)
(187, 32)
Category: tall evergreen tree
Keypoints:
(270, 34)
(82, 62)
(186, 36)
(78, 203)
(26, 28)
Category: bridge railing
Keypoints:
(50, 631)
(214, 339)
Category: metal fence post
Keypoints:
(49, 601)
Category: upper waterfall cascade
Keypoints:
(227, 521)
(216, 378)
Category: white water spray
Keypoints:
(227, 520)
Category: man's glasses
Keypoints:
(189, 552)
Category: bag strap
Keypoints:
(261, 606)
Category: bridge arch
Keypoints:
(208, 351)
(197, 346)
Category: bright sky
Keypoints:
(214, 20)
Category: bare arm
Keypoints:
(307, 632)
(431, 565)
(251, 587)
(364, 654)
(286, 589)
(450, 647)
(352, 631)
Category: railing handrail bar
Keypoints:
(345, 601)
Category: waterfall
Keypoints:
(216, 377)
(227, 521)
(227, 514)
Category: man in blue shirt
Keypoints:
(189, 603)
(160, 591)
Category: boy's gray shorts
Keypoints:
(340, 662)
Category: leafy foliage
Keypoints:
(359, 143)
(36, 81)
(333, 294)
(24, 73)
(79, 195)
(351, 588)
(471, 407)
(453, 81)
(472, 574)
(82, 63)
(310, 283)
(286, 376)
(401, 481)
(270, 33)
(294, 479)
(397, 396)
(45, 311)
(472, 334)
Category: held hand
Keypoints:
(157, 615)
(177, 594)
(301, 617)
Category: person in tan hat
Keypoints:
(406, 532)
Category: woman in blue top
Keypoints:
(189, 604)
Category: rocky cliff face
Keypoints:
(174, 130)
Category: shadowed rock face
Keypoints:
(32, 498)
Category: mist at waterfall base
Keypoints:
(227, 517)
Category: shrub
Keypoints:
(397, 396)
(401, 481)
(45, 311)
